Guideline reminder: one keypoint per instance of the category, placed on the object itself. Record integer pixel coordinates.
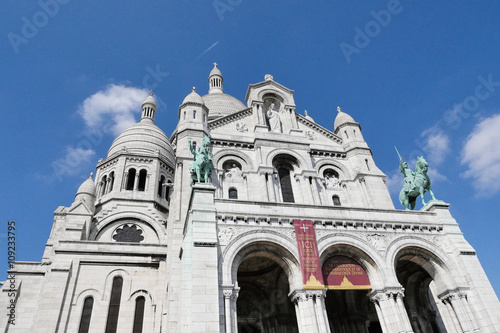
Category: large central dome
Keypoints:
(220, 105)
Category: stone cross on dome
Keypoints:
(215, 64)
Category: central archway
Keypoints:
(263, 304)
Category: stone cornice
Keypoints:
(229, 118)
(318, 128)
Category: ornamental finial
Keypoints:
(215, 64)
(91, 175)
(339, 109)
(151, 93)
(194, 89)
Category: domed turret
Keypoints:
(215, 81)
(218, 103)
(148, 109)
(193, 97)
(87, 191)
(342, 118)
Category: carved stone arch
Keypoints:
(357, 249)
(425, 254)
(108, 282)
(282, 96)
(342, 169)
(141, 292)
(261, 241)
(302, 163)
(141, 218)
(80, 298)
(224, 155)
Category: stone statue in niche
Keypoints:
(332, 181)
(233, 174)
(274, 119)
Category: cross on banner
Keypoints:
(304, 227)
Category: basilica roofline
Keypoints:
(264, 83)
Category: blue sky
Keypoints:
(424, 76)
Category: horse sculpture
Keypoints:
(202, 162)
(416, 183)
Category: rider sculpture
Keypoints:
(415, 182)
(202, 162)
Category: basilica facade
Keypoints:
(146, 246)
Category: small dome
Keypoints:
(220, 105)
(193, 97)
(87, 187)
(215, 70)
(143, 138)
(342, 118)
(150, 99)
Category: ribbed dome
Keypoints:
(87, 187)
(215, 71)
(342, 118)
(220, 105)
(193, 97)
(143, 138)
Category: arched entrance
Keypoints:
(420, 300)
(348, 307)
(263, 304)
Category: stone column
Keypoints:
(311, 311)
(391, 311)
(299, 188)
(136, 183)
(459, 313)
(108, 185)
(403, 315)
(230, 297)
(220, 192)
(314, 191)
(320, 308)
(277, 188)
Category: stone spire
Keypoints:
(148, 109)
(215, 81)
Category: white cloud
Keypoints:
(394, 182)
(481, 154)
(113, 107)
(437, 145)
(73, 163)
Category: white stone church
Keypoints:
(142, 250)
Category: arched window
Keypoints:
(336, 200)
(114, 305)
(131, 179)
(139, 314)
(168, 190)
(142, 180)
(194, 114)
(86, 314)
(103, 185)
(233, 193)
(160, 186)
(286, 185)
(346, 135)
(111, 181)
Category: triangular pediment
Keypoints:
(239, 121)
(79, 207)
(258, 91)
(314, 131)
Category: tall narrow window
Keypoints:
(336, 200)
(233, 193)
(286, 185)
(139, 314)
(346, 135)
(111, 181)
(194, 114)
(367, 165)
(114, 305)
(103, 185)
(142, 180)
(86, 314)
(160, 186)
(131, 179)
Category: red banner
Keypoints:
(341, 272)
(308, 255)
